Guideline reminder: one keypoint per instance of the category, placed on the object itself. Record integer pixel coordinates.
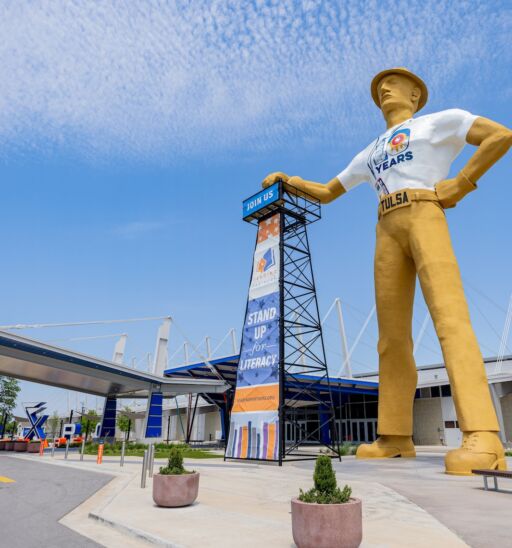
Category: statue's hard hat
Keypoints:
(400, 70)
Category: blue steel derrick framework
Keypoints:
(302, 351)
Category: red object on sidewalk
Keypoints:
(100, 454)
(41, 448)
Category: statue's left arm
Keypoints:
(493, 141)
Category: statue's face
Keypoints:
(398, 91)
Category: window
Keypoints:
(362, 437)
(446, 391)
(371, 410)
(449, 424)
(425, 392)
(435, 391)
(357, 411)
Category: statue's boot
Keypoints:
(385, 447)
(479, 450)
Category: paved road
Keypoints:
(481, 518)
(41, 495)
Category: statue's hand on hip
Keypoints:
(451, 191)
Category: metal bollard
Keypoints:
(123, 449)
(151, 459)
(144, 469)
(53, 448)
(67, 449)
(82, 449)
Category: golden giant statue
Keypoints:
(408, 165)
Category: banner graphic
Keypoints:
(254, 424)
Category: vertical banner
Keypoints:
(254, 424)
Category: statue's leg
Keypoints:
(395, 279)
(442, 288)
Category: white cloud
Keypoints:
(148, 80)
(136, 229)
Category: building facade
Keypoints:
(435, 421)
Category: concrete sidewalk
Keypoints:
(481, 518)
(238, 504)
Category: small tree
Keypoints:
(53, 424)
(174, 464)
(11, 428)
(325, 490)
(123, 419)
(9, 390)
(89, 421)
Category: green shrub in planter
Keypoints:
(174, 486)
(325, 490)
(175, 464)
(326, 516)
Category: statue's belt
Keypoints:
(404, 198)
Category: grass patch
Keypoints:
(161, 450)
(347, 449)
(344, 449)
(508, 453)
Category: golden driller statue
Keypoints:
(408, 165)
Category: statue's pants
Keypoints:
(415, 239)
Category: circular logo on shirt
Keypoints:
(398, 142)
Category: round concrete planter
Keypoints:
(173, 491)
(9, 445)
(327, 525)
(2, 445)
(20, 446)
(33, 447)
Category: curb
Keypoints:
(77, 465)
(133, 532)
(119, 483)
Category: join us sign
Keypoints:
(254, 423)
(261, 200)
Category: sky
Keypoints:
(130, 133)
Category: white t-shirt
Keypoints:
(417, 153)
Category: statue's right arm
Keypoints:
(325, 193)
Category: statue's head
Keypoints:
(398, 88)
